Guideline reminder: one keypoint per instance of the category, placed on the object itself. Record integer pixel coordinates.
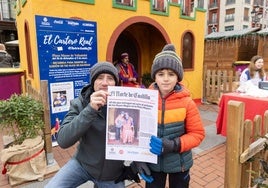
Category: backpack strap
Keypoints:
(247, 73)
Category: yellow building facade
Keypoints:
(136, 27)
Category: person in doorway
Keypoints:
(180, 126)
(127, 73)
(85, 123)
(254, 72)
(6, 60)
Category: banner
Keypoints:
(67, 48)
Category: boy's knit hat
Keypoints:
(167, 59)
(103, 67)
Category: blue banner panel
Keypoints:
(67, 48)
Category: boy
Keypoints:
(179, 125)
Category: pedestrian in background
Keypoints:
(6, 60)
(254, 72)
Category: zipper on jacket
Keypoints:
(182, 164)
(162, 129)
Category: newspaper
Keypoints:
(131, 121)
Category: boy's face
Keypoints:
(103, 81)
(166, 80)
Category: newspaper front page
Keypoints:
(131, 121)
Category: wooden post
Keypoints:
(245, 176)
(265, 129)
(207, 91)
(256, 135)
(230, 81)
(47, 129)
(218, 86)
(235, 129)
(204, 98)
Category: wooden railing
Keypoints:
(42, 96)
(245, 147)
(217, 82)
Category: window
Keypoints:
(192, 6)
(7, 10)
(246, 13)
(182, 3)
(187, 50)
(214, 18)
(229, 28)
(159, 7)
(200, 3)
(230, 15)
(125, 4)
(229, 2)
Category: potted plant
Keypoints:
(21, 118)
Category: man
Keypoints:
(6, 60)
(127, 73)
(85, 123)
(119, 121)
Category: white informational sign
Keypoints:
(61, 95)
(131, 121)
